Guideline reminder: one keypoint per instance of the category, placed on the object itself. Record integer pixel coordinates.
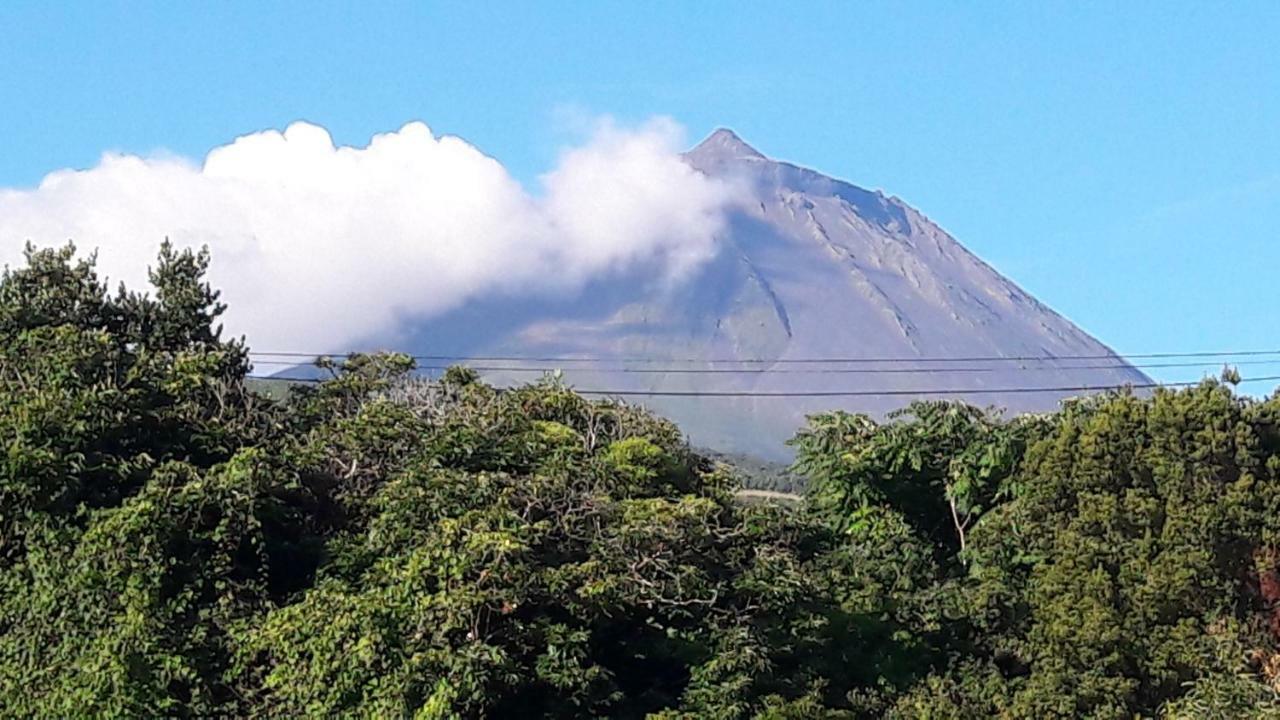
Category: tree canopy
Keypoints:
(173, 543)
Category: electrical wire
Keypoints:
(817, 371)
(859, 393)
(785, 361)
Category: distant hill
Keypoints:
(810, 267)
(759, 474)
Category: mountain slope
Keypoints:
(810, 267)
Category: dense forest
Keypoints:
(174, 543)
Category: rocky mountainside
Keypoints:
(809, 268)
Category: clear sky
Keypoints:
(1121, 161)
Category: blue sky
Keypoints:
(1121, 161)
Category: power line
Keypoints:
(787, 361)
(895, 393)
(860, 393)
(818, 371)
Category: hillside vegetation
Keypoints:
(173, 543)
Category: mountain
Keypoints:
(809, 267)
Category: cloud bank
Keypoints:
(322, 248)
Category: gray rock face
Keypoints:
(810, 267)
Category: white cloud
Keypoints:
(321, 248)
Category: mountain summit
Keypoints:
(724, 144)
(810, 268)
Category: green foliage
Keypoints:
(96, 391)
(1115, 559)
(1140, 542)
(131, 616)
(122, 497)
(533, 553)
(940, 465)
(174, 544)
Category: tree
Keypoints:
(939, 464)
(128, 495)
